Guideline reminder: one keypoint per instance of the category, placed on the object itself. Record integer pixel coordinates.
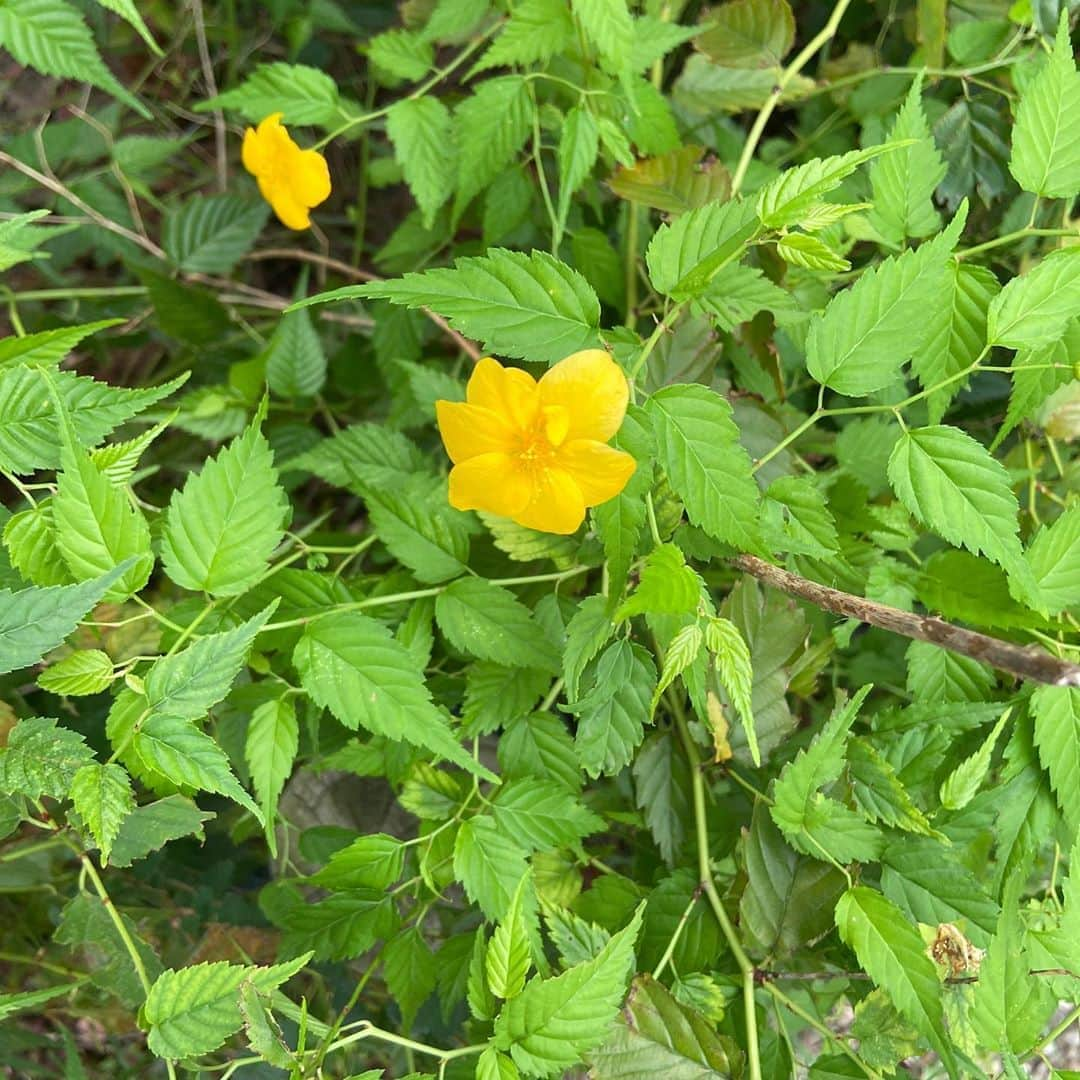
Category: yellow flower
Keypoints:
(291, 180)
(536, 451)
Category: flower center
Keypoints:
(538, 445)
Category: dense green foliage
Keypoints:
(304, 772)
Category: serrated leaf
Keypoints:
(662, 791)
(422, 133)
(263, 1032)
(904, 180)
(490, 623)
(698, 446)
(495, 696)
(586, 634)
(149, 827)
(957, 333)
(29, 999)
(344, 925)
(541, 815)
(353, 666)
(749, 33)
(41, 758)
(295, 361)
(552, 1023)
(33, 621)
(973, 135)
(1056, 710)
(518, 305)
(193, 1010)
(304, 95)
(878, 790)
(222, 527)
(88, 671)
(178, 750)
(509, 956)
(1035, 309)
(666, 586)
(127, 10)
(682, 651)
(608, 28)
(674, 182)
(30, 538)
(49, 346)
(1036, 374)
(579, 145)
(1054, 558)
(488, 865)
(1046, 137)
(539, 745)
(103, 798)
(370, 862)
(810, 253)
(270, 748)
(409, 972)
(866, 333)
(951, 483)
(731, 655)
(534, 33)
(795, 518)
(893, 954)
(400, 55)
(210, 234)
(935, 674)
(51, 37)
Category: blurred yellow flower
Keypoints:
(537, 452)
(291, 180)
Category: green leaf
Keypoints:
(400, 55)
(194, 1010)
(509, 954)
(893, 954)
(527, 545)
(674, 182)
(785, 200)
(749, 33)
(29, 432)
(1054, 558)
(210, 234)
(176, 749)
(586, 634)
(866, 333)
(491, 1065)
(49, 346)
(904, 180)
(453, 19)
(608, 28)
(735, 672)
(795, 518)
(353, 666)
(262, 1030)
(30, 538)
(88, 671)
(957, 333)
(879, 792)
(1046, 137)
(187, 684)
(962, 784)
(51, 37)
(1037, 373)
(340, 927)
(698, 446)
(1036, 309)
(579, 145)
(542, 814)
(926, 879)
(682, 652)
(13, 1003)
(534, 33)
(422, 133)
(150, 827)
(304, 95)
(488, 865)
(409, 971)
(655, 1035)
(516, 304)
(42, 759)
(98, 526)
(420, 528)
(117, 461)
(539, 745)
(491, 126)
(33, 621)
(936, 674)
(662, 790)
(1009, 1007)
(666, 586)
(951, 483)
(273, 738)
(371, 862)
(495, 696)
(490, 623)
(1056, 710)
(973, 136)
(798, 249)
(613, 713)
(126, 9)
(222, 527)
(553, 1023)
(103, 798)
(295, 361)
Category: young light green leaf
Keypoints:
(491, 1065)
(353, 666)
(609, 29)
(49, 346)
(1046, 137)
(534, 33)
(960, 786)
(552, 1023)
(221, 528)
(88, 671)
(732, 658)
(103, 798)
(1054, 558)
(799, 249)
(666, 586)
(682, 651)
(264, 1034)
(509, 953)
(422, 133)
(400, 55)
(936, 674)
(127, 10)
(1036, 308)
(893, 954)
(1057, 735)
(270, 749)
(698, 446)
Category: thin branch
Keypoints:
(1025, 662)
(221, 152)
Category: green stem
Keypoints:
(753, 1054)
(658, 332)
(369, 1031)
(789, 73)
(788, 439)
(1009, 238)
(80, 294)
(674, 940)
(630, 261)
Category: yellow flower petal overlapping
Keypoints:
(536, 451)
(291, 180)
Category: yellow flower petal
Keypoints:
(290, 179)
(470, 430)
(600, 471)
(510, 392)
(310, 177)
(593, 390)
(290, 213)
(556, 505)
(491, 482)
